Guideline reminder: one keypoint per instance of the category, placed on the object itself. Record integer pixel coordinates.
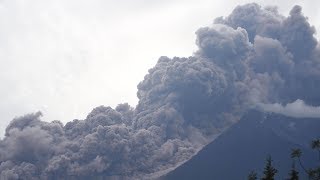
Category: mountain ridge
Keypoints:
(245, 145)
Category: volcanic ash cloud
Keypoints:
(253, 56)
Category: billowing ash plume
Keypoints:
(255, 55)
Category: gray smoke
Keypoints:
(255, 55)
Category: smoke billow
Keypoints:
(296, 109)
(255, 55)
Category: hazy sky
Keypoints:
(66, 57)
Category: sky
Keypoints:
(66, 57)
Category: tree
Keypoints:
(315, 144)
(293, 174)
(296, 154)
(315, 173)
(269, 171)
(252, 176)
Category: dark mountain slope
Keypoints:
(244, 147)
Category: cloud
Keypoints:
(296, 109)
(247, 58)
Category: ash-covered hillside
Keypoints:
(245, 146)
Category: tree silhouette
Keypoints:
(269, 171)
(315, 144)
(296, 154)
(252, 176)
(315, 172)
(293, 174)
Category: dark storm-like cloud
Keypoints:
(254, 56)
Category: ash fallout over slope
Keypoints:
(253, 56)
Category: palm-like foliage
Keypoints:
(315, 144)
(270, 171)
(315, 173)
(296, 153)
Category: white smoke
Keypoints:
(298, 109)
